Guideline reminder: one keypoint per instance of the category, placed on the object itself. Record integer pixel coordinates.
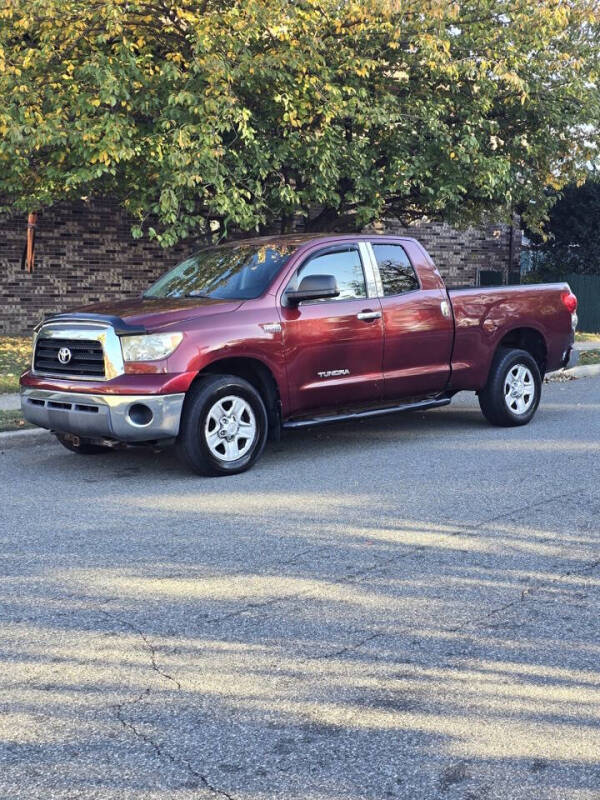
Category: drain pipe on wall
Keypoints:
(28, 258)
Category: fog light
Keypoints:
(140, 415)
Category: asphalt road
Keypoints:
(402, 608)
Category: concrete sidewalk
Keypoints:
(581, 346)
(10, 402)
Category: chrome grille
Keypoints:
(86, 357)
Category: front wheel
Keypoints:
(223, 426)
(513, 390)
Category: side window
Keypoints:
(344, 265)
(397, 273)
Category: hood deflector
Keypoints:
(119, 325)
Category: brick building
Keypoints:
(85, 253)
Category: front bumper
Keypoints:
(124, 418)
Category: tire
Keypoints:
(513, 390)
(217, 412)
(84, 448)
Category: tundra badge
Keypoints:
(333, 373)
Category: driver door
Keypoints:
(334, 347)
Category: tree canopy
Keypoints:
(571, 243)
(210, 114)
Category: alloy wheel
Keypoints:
(230, 429)
(519, 389)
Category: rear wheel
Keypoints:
(513, 390)
(223, 426)
(83, 447)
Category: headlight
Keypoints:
(151, 347)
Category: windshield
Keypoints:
(241, 272)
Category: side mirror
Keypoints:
(313, 287)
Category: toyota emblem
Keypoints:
(64, 355)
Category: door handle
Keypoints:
(368, 316)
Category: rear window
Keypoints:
(397, 273)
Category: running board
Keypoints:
(374, 412)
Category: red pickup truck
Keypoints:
(244, 339)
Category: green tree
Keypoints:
(206, 114)
(571, 243)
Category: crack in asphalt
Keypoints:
(148, 644)
(143, 737)
(532, 589)
(527, 507)
(347, 577)
(162, 753)
(249, 605)
(473, 529)
(349, 648)
(351, 576)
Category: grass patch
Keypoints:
(587, 337)
(589, 357)
(12, 421)
(15, 357)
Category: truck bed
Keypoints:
(482, 314)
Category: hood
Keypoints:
(154, 313)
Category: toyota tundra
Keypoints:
(245, 339)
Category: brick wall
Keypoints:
(85, 253)
(460, 254)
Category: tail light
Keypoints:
(569, 301)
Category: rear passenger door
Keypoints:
(334, 347)
(417, 323)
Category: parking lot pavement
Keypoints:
(401, 608)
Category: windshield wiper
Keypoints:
(198, 294)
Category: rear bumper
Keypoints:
(125, 418)
(571, 358)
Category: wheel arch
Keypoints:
(259, 375)
(529, 339)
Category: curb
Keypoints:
(583, 346)
(585, 371)
(582, 371)
(22, 438)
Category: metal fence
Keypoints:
(587, 289)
